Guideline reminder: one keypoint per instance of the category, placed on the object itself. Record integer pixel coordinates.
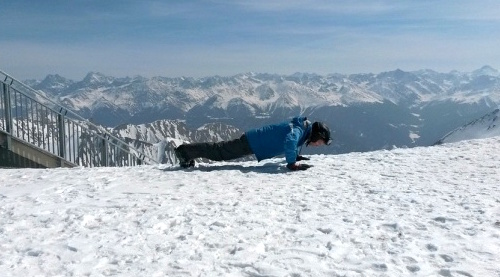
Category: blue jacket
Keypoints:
(282, 138)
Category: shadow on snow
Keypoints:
(268, 168)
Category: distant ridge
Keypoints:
(484, 127)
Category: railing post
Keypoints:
(104, 152)
(61, 135)
(9, 123)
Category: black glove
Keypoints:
(296, 166)
(302, 158)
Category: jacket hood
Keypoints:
(299, 121)
(305, 125)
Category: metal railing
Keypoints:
(28, 115)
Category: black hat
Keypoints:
(320, 131)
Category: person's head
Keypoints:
(320, 135)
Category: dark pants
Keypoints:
(216, 151)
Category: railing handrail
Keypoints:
(100, 131)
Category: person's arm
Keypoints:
(291, 150)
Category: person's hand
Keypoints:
(296, 166)
(302, 158)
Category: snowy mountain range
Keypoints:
(365, 111)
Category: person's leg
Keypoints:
(216, 151)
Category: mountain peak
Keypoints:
(97, 78)
(57, 77)
(397, 74)
(486, 70)
(54, 83)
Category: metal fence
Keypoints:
(28, 115)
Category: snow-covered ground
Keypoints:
(431, 211)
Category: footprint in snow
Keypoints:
(412, 264)
(443, 219)
(325, 231)
(431, 247)
(446, 258)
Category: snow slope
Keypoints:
(431, 211)
(484, 127)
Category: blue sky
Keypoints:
(226, 37)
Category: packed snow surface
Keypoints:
(431, 211)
